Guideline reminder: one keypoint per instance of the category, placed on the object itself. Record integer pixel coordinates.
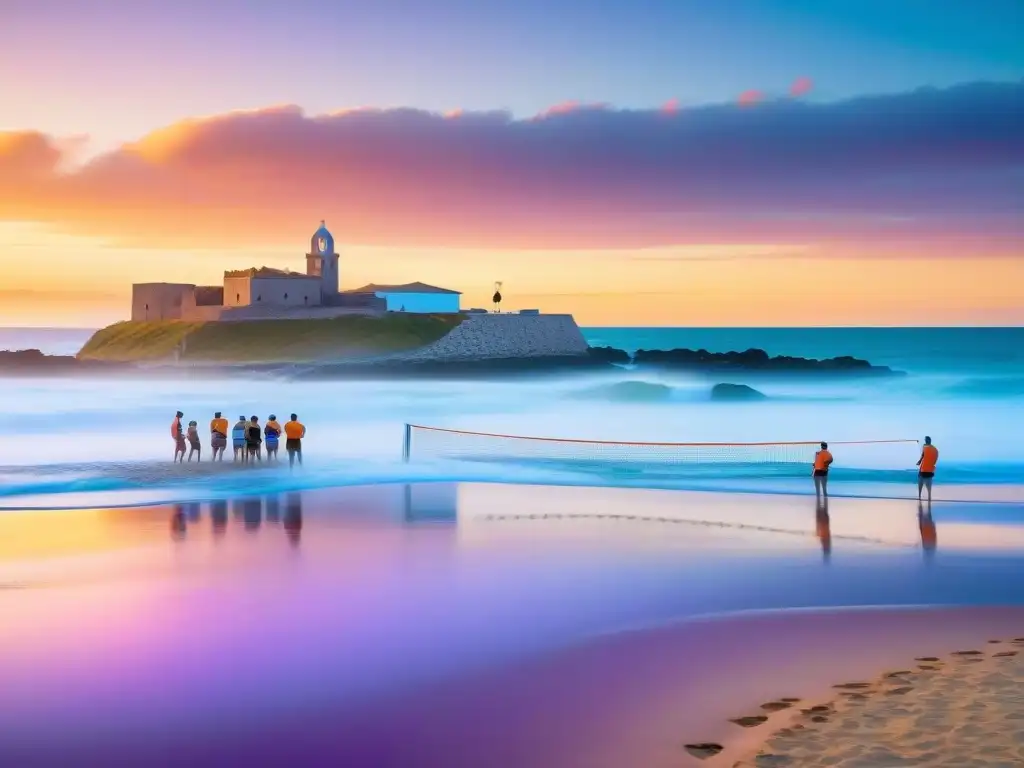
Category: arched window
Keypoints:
(238, 298)
(286, 297)
(259, 297)
(305, 299)
(147, 307)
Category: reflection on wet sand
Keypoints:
(293, 517)
(219, 517)
(252, 512)
(823, 527)
(248, 512)
(929, 534)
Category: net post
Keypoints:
(407, 443)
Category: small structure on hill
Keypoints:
(413, 297)
(267, 292)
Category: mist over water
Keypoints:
(72, 437)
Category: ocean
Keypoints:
(575, 604)
(73, 441)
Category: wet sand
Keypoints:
(957, 710)
(471, 625)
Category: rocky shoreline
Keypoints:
(32, 362)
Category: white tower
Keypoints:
(322, 262)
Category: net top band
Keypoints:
(653, 444)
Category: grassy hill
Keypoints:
(267, 340)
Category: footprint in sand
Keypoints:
(749, 721)
(852, 686)
(1004, 654)
(776, 706)
(897, 674)
(703, 750)
(967, 653)
(899, 691)
(817, 709)
(927, 658)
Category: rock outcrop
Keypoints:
(734, 392)
(753, 361)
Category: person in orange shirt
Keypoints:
(218, 436)
(926, 468)
(294, 431)
(822, 461)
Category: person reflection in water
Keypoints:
(178, 522)
(272, 509)
(293, 517)
(823, 527)
(219, 517)
(252, 513)
(926, 524)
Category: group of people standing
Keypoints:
(248, 438)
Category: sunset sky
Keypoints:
(634, 162)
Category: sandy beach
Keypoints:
(958, 710)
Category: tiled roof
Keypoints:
(404, 288)
(264, 272)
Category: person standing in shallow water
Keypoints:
(218, 436)
(294, 431)
(822, 461)
(178, 436)
(238, 439)
(195, 447)
(272, 433)
(254, 439)
(926, 468)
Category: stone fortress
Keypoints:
(266, 293)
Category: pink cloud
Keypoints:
(749, 98)
(571, 107)
(670, 107)
(584, 176)
(801, 87)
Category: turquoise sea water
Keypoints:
(107, 438)
(922, 350)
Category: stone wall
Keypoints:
(495, 336)
(270, 312)
(160, 301)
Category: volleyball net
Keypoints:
(426, 443)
